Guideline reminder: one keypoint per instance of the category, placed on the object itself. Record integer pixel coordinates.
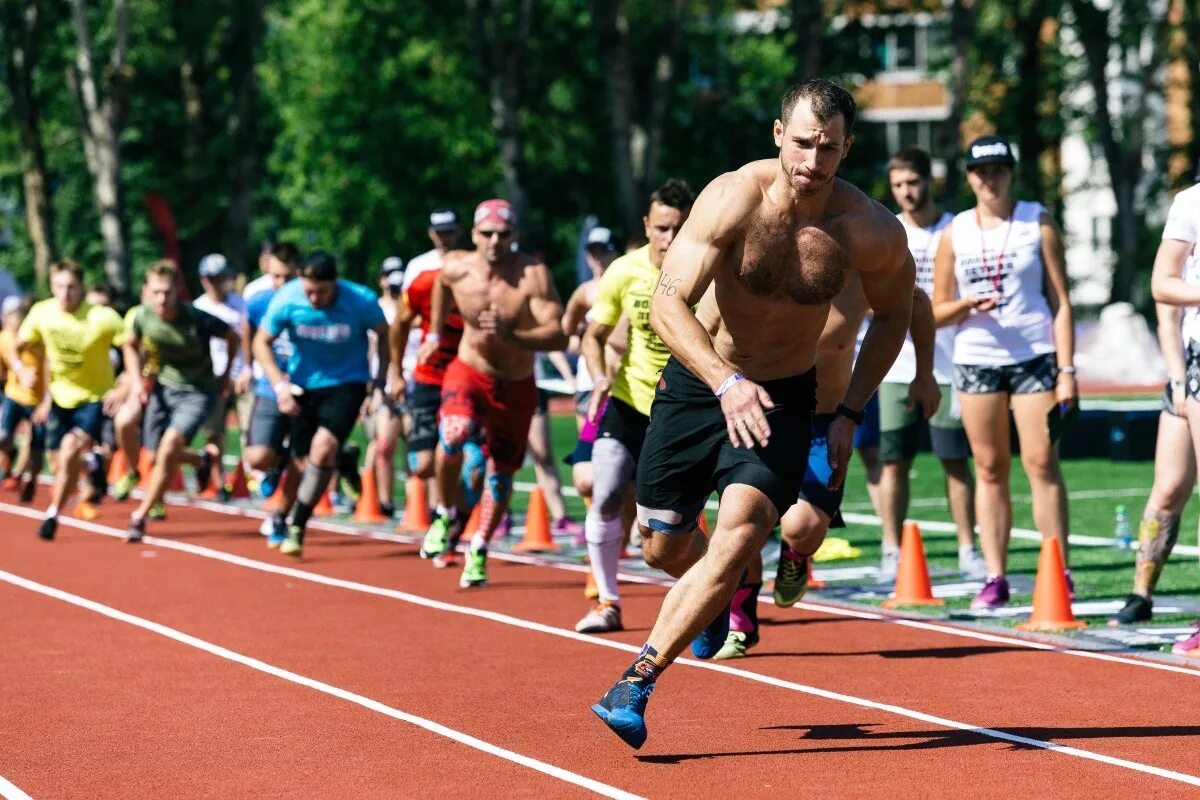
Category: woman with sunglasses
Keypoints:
(1000, 277)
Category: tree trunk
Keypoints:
(1030, 141)
(244, 164)
(671, 40)
(1191, 55)
(808, 23)
(962, 30)
(499, 51)
(612, 44)
(101, 121)
(21, 27)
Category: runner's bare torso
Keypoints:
(774, 272)
(500, 303)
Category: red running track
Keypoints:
(92, 706)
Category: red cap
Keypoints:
(497, 211)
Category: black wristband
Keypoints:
(856, 417)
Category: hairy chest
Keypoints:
(786, 261)
(475, 293)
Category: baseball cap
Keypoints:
(10, 304)
(395, 279)
(213, 265)
(393, 264)
(444, 219)
(496, 211)
(601, 237)
(989, 150)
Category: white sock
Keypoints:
(450, 513)
(604, 550)
(478, 542)
(51, 511)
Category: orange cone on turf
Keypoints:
(912, 580)
(324, 507)
(117, 466)
(145, 467)
(275, 501)
(367, 508)
(472, 526)
(702, 523)
(537, 526)
(213, 490)
(416, 506)
(86, 511)
(1051, 597)
(238, 488)
(813, 583)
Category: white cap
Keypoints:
(393, 264)
(10, 304)
(213, 265)
(601, 237)
(395, 278)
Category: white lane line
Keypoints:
(320, 686)
(530, 625)
(9, 791)
(539, 561)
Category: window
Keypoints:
(904, 49)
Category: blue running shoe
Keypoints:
(623, 709)
(279, 532)
(712, 638)
(269, 482)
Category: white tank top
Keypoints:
(923, 243)
(583, 378)
(1006, 260)
(1183, 224)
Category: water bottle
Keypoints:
(1122, 531)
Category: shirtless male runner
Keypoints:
(510, 312)
(765, 250)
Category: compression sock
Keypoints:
(646, 667)
(743, 614)
(313, 484)
(604, 550)
(1157, 535)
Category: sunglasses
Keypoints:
(505, 234)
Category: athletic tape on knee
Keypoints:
(473, 468)
(453, 432)
(313, 484)
(385, 449)
(410, 458)
(669, 521)
(499, 487)
(1157, 535)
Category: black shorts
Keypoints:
(423, 403)
(12, 414)
(687, 452)
(268, 426)
(624, 423)
(87, 418)
(1029, 377)
(1191, 377)
(334, 408)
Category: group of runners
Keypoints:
(740, 349)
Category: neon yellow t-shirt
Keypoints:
(76, 348)
(625, 288)
(30, 357)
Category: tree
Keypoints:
(101, 120)
(243, 165)
(22, 24)
(963, 14)
(808, 46)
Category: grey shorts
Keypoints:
(1029, 377)
(582, 401)
(1191, 377)
(268, 427)
(183, 409)
(217, 420)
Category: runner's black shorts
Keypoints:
(334, 408)
(625, 424)
(687, 454)
(423, 402)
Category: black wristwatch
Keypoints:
(849, 413)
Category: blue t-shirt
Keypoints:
(329, 345)
(256, 309)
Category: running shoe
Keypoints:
(387, 509)
(446, 560)
(136, 530)
(125, 485)
(279, 532)
(98, 476)
(437, 538)
(889, 564)
(1189, 647)
(971, 565)
(736, 645)
(504, 528)
(605, 617)
(10, 484)
(791, 579)
(712, 638)
(293, 543)
(1070, 584)
(204, 469)
(623, 709)
(566, 527)
(475, 573)
(1137, 609)
(993, 595)
(158, 511)
(48, 528)
(349, 481)
(269, 482)
(28, 488)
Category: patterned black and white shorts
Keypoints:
(1191, 377)
(1029, 377)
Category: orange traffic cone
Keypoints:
(238, 488)
(912, 581)
(416, 506)
(324, 507)
(472, 526)
(1051, 597)
(367, 509)
(118, 465)
(590, 590)
(275, 501)
(813, 583)
(213, 490)
(702, 523)
(86, 511)
(145, 466)
(537, 526)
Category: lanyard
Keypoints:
(996, 277)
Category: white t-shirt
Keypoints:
(923, 242)
(1183, 224)
(389, 314)
(260, 284)
(1006, 260)
(232, 312)
(428, 260)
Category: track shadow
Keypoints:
(925, 740)
(780, 623)
(925, 652)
